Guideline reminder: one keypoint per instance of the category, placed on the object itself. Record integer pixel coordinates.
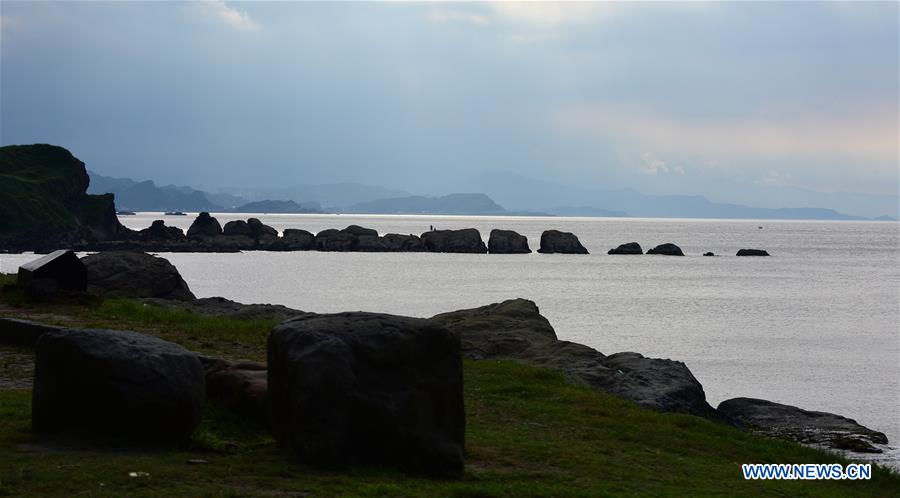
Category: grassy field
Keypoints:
(529, 433)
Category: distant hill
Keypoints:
(43, 196)
(146, 196)
(331, 196)
(269, 206)
(416, 204)
(522, 193)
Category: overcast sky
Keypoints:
(672, 97)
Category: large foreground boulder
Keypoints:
(204, 226)
(629, 248)
(61, 270)
(556, 242)
(507, 242)
(116, 384)
(666, 250)
(515, 329)
(466, 240)
(803, 426)
(134, 274)
(368, 388)
(752, 252)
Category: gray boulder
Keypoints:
(629, 248)
(467, 240)
(297, 240)
(666, 250)
(360, 231)
(134, 274)
(335, 240)
(116, 384)
(803, 426)
(507, 242)
(752, 252)
(556, 242)
(204, 226)
(237, 227)
(515, 329)
(366, 388)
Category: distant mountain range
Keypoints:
(497, 194)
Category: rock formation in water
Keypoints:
(666, 250)
(466, 240)
(752, 252)
(204, 226)
(556, 242)
(507, 242)
(629, 248)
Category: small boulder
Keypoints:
(467, 240)
(752, 252)
(507, 242)
(134, 274)
(204, 226)
(237, 227)
(556, 242)
(629, 248)
(360, 231)
(709, 254)
(116, 384)
(803, 426)
(297, 240)
(666, 250)
(367, 388)
(61, 270)
(335, 240)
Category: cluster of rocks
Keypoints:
(669, 249)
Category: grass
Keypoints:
(529, 433)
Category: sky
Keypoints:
(719, 99)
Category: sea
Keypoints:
(816, 325)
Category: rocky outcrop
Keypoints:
(58, 271)
(556, 242)
(666, 250)
(507, 242)
(629, 248)
(395, 242)
(752, 252)
(368, 388)
(803, 426)
(262, 233)
(709, 254)
(237, 227)
(515, 329)
(116, 384)
(336, 240)
(360, 231)
(134, 274)
(297, 240)
(239, 386)
(466, 240)
(158, 231)
(204, 226)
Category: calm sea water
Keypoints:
(815, 325)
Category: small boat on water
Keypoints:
(175, 213)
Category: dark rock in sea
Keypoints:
(516, 329)
(158, 231)
(297, 240)
(556, 242)
(219, 306)
(259, 230)
(467, 240)
(360, 231)
(204, 226)
(803, 426)
(366, 388)
(371, 243)
(60, 270)
(116, 384)
(708, 254)
(666, 250)
(507, 242)
(395, 242)
(134, 274)
(237, 227)
(22, 333)
(752, 252)
(240, 386)
(335, 240)
(231, 243)
(629, 248)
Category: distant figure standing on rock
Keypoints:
(430, 228)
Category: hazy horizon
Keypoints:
(739, 102)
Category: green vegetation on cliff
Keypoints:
(43, 187)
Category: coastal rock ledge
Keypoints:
(802, 426)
